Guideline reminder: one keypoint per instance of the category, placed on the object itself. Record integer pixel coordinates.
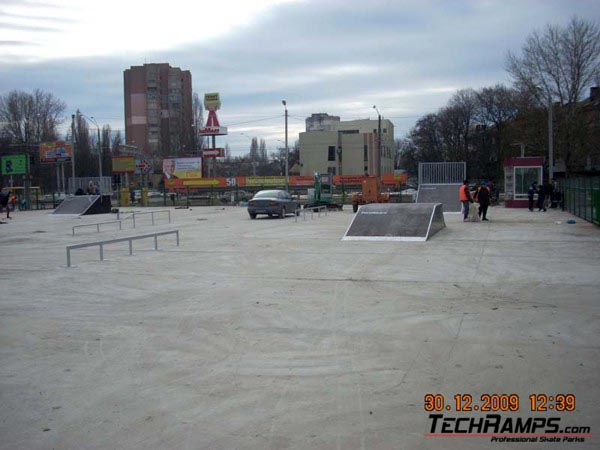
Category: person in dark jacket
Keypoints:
(541, 198)
(482, 196)
(530, 193)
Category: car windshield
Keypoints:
(267, 194)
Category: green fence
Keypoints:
(581, 197)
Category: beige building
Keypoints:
(348, 148)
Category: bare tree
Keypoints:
(557, 67)
(198, 121)
(559, 64)
(30, 118)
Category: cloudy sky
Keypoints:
(340, 57)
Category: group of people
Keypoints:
(547, 195)
(483, 196)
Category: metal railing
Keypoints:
(581, 197)
(97, 225)
(141, 213)
(101, 244)
(312, 210)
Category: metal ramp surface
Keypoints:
(84, 204)
(408, 222)
(446, 194)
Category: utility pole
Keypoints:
(73, 155)
(378, 141)
(287, 151)
(550, 142)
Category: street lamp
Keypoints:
(287, 151)
(91, 119)
(378, 141)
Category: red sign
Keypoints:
(213, 152)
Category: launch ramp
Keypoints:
(408, 222)
(84, 204)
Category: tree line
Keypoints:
(554, 72)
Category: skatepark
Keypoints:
(276, 334)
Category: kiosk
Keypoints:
(519, 173)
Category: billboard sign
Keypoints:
(54, 152)
(123, 164)
(265, 181)
(182, 168)
(14, 165)
(212, 101)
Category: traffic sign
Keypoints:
(143, 165)
(213, 152)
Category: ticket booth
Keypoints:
(519, 173)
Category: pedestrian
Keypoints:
(482, 196)
(541, 198)
(554, 194)
(132, 193)
(465, 197)
(4, 203)
(530, 193)
(12, 202)
(90, 188)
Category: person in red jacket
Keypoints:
(465, 197)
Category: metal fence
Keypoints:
(442, 173)
(581, 197)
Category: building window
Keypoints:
(331, 170)
(331, 153)
(366, 169)
(366, 153)
(349, 132)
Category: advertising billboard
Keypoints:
(57, 151)
(123, 164)
(182, 168)
(14, 165)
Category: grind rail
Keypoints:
(101, 244)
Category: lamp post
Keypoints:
(73, 155)
(378, 141)
(91, 119)
(287, 151)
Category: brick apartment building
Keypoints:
(158, 109)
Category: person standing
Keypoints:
(482, 196)
(530, 193)
(541, 198)
(465, 197)
(4, 203)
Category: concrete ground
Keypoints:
(272, 334)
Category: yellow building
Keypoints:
(348, 148)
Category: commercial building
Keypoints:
(158, 109)
(346, 147)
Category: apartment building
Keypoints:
(158, 109)
(347, 147)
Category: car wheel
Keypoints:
(282, 213)
(252, 215)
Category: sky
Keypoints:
(328, 56)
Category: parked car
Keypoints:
(272, 202)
